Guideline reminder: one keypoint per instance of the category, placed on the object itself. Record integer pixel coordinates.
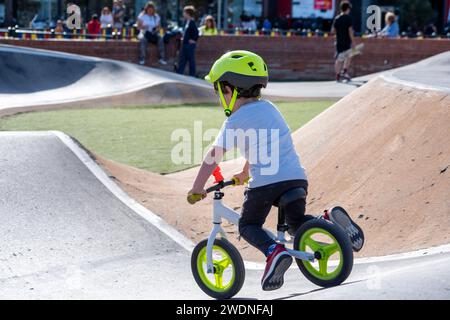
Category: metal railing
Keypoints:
(130, 34)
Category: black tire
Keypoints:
(346, 251)
(238, 265)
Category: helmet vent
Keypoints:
(252, 66)
(236, 56)
(265, 67)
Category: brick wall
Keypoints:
(288, 58)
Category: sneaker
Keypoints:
(163, 62)
(142, 62)
(278, 262)
(340, 217)
(346, 76)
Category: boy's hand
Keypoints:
(196, 195)
(241, 178)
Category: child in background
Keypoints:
(189, 44)
(209, 27)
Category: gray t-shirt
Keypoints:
(262, 136)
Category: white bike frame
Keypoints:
(221, 211)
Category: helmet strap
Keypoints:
(227, 108)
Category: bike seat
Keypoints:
(290, 196)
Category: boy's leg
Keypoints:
(338, 63)
(347, 62)
(182, 63)
(295, 212)
(192, 71)
(255, 209)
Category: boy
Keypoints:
(342, 28)
(190, 38)
(238, 77)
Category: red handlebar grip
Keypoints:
(217, 175)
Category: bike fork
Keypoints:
(217, 229)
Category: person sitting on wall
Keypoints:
(106, 19)
(149, 24)
(59, 29)
(209, 27)
(93, 27)
(267, 26)
(391, 30)
(118, 13)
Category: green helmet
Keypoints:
(242, 69)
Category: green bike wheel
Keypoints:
(229, 270)
(332, 249)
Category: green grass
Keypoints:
(141, 136)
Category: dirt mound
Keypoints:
(383, 152)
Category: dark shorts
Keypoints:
(257, 205)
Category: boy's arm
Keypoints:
(333, 29)
(212, 159)
(242, 176)
(352, 36)
(192, 32)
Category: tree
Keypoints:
(413, 13)
(9, 12)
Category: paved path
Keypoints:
(66, 235)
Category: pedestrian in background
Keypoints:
(149, 24)
(106, 18)
(209, 27)
(118, 13)
(267, 25)
(343, 29)
(190, 37)
(391, 30)
(59, 29)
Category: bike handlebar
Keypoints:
(221, 185)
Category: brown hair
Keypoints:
(345, 5)
(190, 10)
(149, 4)
(213, 22)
